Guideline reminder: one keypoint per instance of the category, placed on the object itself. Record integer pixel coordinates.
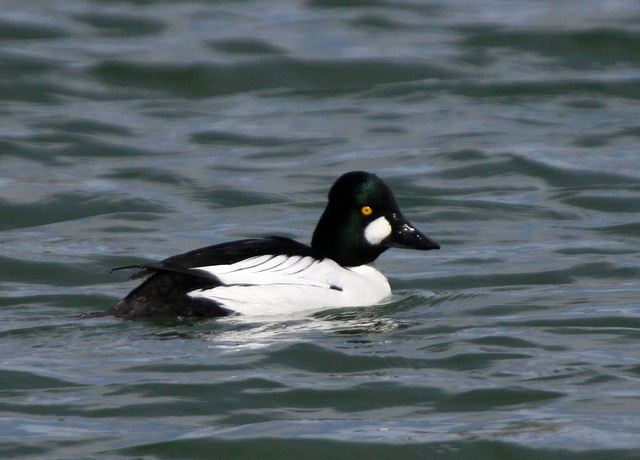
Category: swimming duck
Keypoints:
(276, 275)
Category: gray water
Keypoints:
(509, 131)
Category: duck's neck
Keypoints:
(343, 242)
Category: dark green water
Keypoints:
(510, 132)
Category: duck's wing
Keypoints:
(284, 285)
(166, 290)
(221, 255)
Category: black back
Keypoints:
(165, 292)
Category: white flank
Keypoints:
(377, 231)
(266, 285)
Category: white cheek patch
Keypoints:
(377, 231)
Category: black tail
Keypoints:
(165, 293)
(145, 271)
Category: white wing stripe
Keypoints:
(262, 269)
(293, 284)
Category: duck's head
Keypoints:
(362, 220)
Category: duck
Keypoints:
(278, 275)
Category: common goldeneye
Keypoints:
(276, 275)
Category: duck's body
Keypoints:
(279, 275)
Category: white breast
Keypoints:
(265, 285)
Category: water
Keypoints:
(131, 131)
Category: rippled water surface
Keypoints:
(509, 130)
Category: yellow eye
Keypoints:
(366, 211)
